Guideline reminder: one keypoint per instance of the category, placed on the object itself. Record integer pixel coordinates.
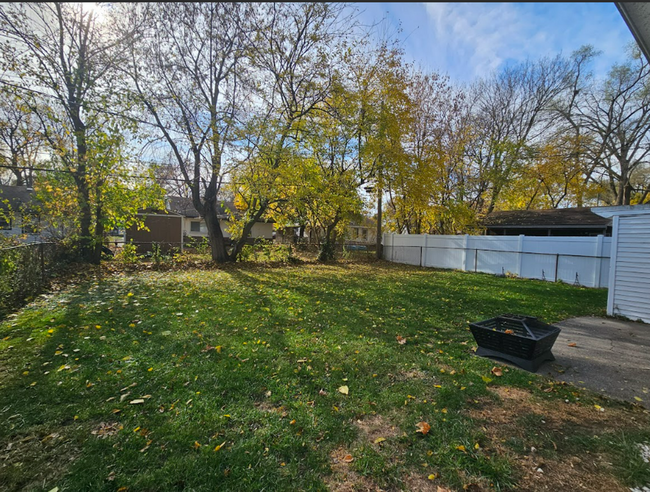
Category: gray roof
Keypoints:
(578, 217)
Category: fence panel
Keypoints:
(576, 260)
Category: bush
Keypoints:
(128, 255)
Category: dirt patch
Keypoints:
(532, 420)
(104, 429)
(375, 427)
(572, 473)
(27, 463)
(555, 413)
(344, 478)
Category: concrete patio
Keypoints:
(610, 356)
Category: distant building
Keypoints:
(181, 225)
(19, 214)
(580, 221)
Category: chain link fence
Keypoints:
(25, 272)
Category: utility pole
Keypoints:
(378, 248)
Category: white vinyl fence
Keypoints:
(576, 260)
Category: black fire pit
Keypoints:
(523, 340)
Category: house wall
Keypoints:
(630, 276)
(582, 260)
(260, 229)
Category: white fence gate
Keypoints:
(576, 260)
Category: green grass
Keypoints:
(252, 359)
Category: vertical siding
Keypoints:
(631, 289)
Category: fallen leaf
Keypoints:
(196, 445)
(344, 389)
(572, 344)
(401, 340)
(509, 332)
(486, 379)
(423, 427)
(379, 440)
(322, 393)
(220, 446)
(497, 371)
(461, 448)
(137, 401)
(432, 476)
(348, 458)
(637, 398)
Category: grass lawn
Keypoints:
(292, 378)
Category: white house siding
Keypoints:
(630, 282)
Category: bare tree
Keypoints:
(20, 139)
(60, 60)
(511, 112)
(615, 115)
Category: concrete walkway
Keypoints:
(611, 357)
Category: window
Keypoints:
(195, 226)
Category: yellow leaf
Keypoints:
(292, 422)
(637, 398)
(137, 401)
(461, 448)
(150, 369)
(432, 476)
(344, 390)
(379, 440)
(486, 379)
(476, 446)
(196, 445)
(220, 446)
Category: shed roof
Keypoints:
(561, 217)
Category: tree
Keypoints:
(615, 115)
(189, 74)
(295, 47)
(20, 139)
(61, 60)
(510, 114)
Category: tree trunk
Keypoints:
(215, 236)
(248, 227)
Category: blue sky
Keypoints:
(469, 40)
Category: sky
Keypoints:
(469, 40)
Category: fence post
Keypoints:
(599, 260)
(475, 260)
(41, 250)
(520, 254)
(464, 257)
(557, 262)
(423, 253)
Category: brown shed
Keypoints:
(164, 229)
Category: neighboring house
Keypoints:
(363, 232)
(360, 232)
(580, 221)
(181, 224)
(18, 215)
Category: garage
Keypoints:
(629, 277)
